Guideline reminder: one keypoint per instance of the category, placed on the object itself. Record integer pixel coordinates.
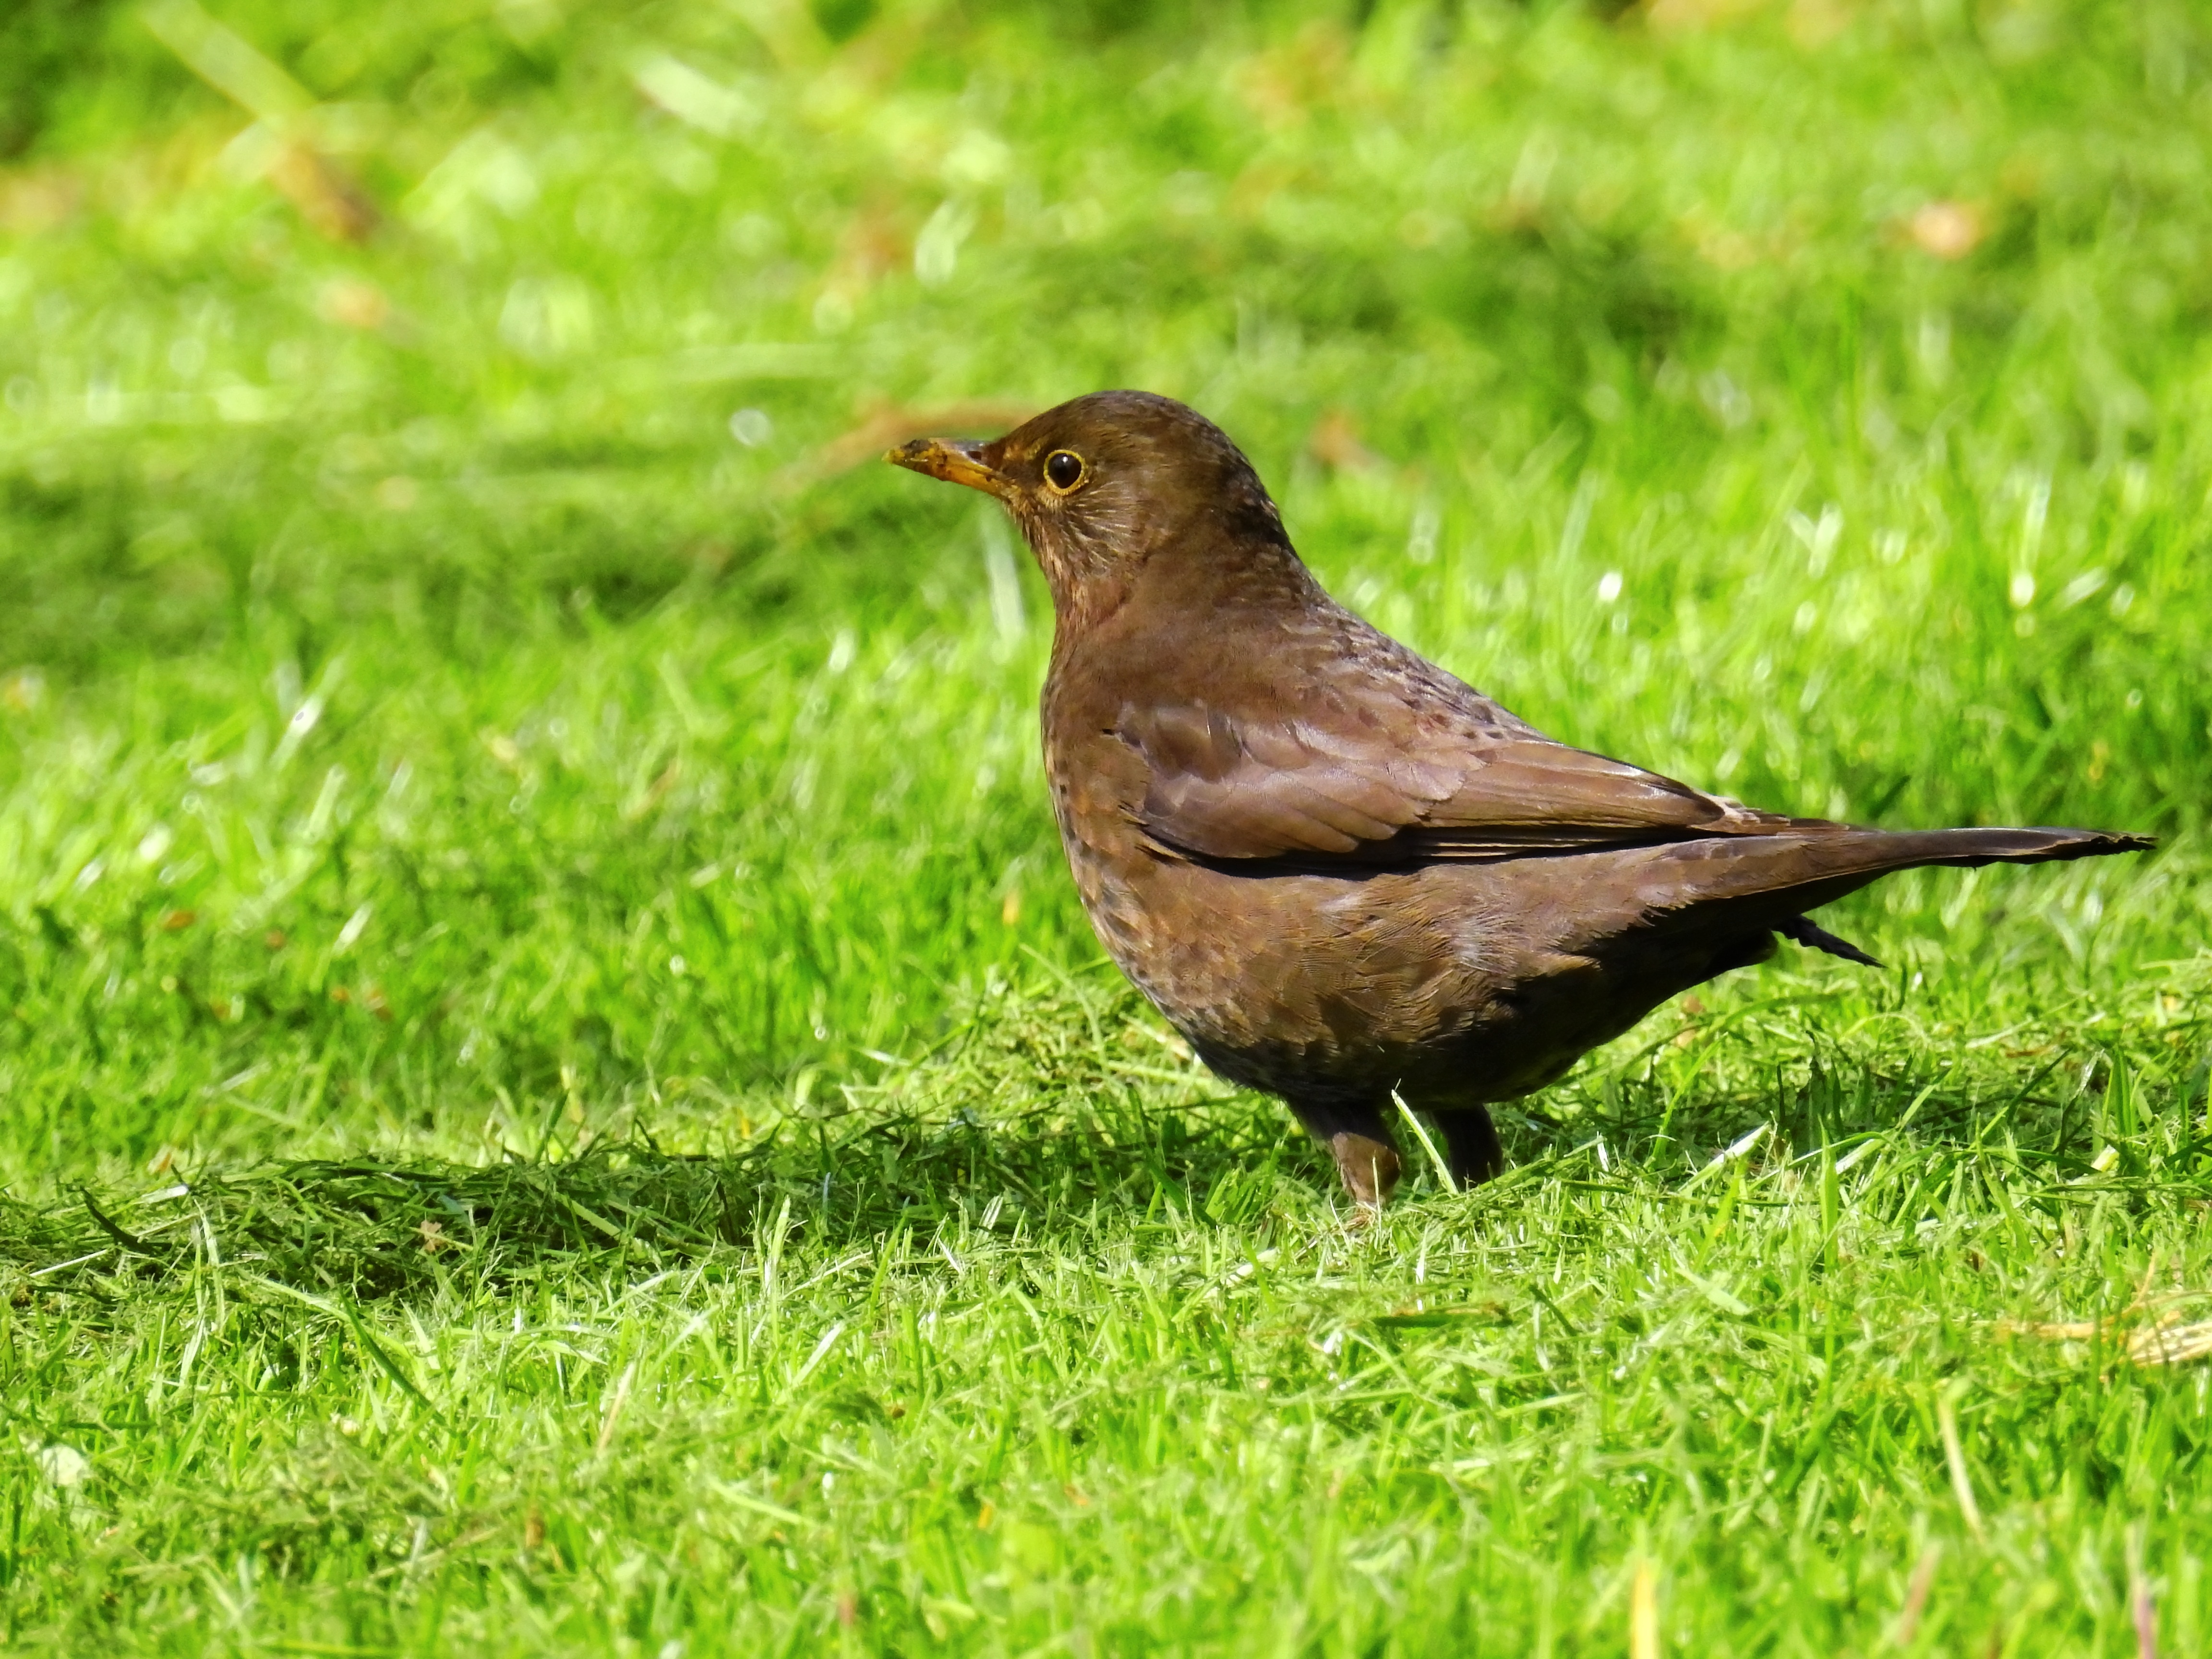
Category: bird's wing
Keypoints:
(1370, 780)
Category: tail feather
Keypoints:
(1771, 881)
(1803, 932)
(1971, 847)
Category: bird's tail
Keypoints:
(1770, 881)
(1904, 849)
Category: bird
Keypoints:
(1344, 876)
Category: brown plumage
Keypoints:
(1336, 869)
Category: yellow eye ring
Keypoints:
(1064, 472)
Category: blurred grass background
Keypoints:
(466, 695)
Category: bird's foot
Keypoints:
(1370, 1170)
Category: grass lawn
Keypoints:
(555, 1096)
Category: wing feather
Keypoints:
(1383, 780)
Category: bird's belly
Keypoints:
(1445, 979)
(1281, 980)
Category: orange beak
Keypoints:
(955, 463)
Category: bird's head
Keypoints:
(1111, 484)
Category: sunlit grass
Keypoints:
(556, 1094)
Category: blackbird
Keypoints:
(1337, 870)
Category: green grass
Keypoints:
(554, 1094)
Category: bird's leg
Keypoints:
(1365, 1160)
(1368, 1167)
(1472, 1145)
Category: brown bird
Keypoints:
(1337, 870)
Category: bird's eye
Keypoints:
(1063, 470)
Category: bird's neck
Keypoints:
(1165, 625)
(1229, 579)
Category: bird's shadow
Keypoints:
(370, 1229)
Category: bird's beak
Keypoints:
(955, 463)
